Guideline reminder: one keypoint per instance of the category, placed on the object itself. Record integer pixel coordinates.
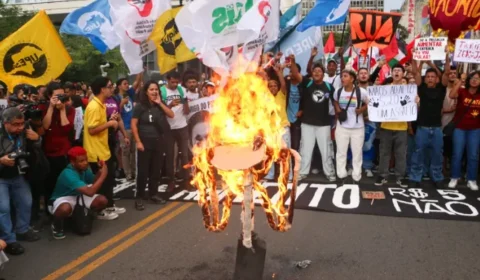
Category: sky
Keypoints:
(392, 4)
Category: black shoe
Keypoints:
(14, 249)
(156, 199)
(119, 174)
(402, 183)
(380, 181)
(28, 236)
(356, 182)
(178, 177)
(426, 178)
(439, 185)
(139, 205)
(37, 226)
(57, 229)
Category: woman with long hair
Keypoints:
(467, 129)
(148, 127)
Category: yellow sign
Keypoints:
(33, 55)
(170, 46)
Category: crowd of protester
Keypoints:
(67, 143)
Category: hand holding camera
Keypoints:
(31, 135)
(7, 161)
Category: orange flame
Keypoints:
(245, 115)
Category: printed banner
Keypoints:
(34, 54)
(430, 48)
(392, 103)
(171, 48)
(372, 28)
(200, 111)
(425, 203)
(134, 21)
(467, 50)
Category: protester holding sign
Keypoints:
(393, 135)
(350, 102)
(467, 130)
(429, 134)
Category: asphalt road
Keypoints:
(173, 244)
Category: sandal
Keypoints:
(139, 205)
(14, 249)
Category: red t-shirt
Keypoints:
(57, 137)
(470, 119)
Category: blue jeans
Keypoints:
(428, 144)
(426, 156)
(17, 190)
(271, 172)
(471, 140)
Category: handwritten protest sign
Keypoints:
(467, 51)
(392, 103)
(430, 48)
(3, 104)
(201, 104)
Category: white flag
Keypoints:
(247, 23)
(133, 21)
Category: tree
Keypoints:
(86, 60)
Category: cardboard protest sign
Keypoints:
(392, 103)
(430, 48)
(198, 126)
(467, 51)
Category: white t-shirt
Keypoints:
(179, 120)
(351, 121)
(191, 95)
(335, 81)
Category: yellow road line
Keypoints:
(127, 243)
(66, 268)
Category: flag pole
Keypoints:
(343, 31)
(370, 60)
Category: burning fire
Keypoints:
(245, 139)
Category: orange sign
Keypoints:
(372, 28)
(373, 195)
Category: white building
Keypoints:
(307, 5)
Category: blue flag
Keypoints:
(92, 21)
(300, 44)
(325, 12)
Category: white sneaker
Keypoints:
(332, 178)
(315, 171)
(116, 210)
(472, 185)
(453, 183)
(369, 173)
(107, 215)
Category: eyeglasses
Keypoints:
(475, 79)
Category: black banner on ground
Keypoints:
(430, 203)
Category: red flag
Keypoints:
(409, 54)
(330, 44)
(391, 51)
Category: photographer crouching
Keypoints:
(17, 139)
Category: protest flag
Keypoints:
(34, 54)
(391, 51)
(329, 48)
(133, 21)
(171, 48)
(92, 21)
(372, 28)
(409, 50)
(325, 12)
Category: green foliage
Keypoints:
(86, 60)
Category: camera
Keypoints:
(31, 109)
(62, 98)
(20, 157)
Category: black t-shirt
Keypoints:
(431, 104)
(315, 102)
(150, 121)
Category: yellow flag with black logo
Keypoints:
(171, 48)
(34, 54)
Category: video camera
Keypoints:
(31, 109)
(20, 156)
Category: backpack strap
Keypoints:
(180, 90)
(309, 83)
(359, 98)
(163, 91)
(328, 86)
